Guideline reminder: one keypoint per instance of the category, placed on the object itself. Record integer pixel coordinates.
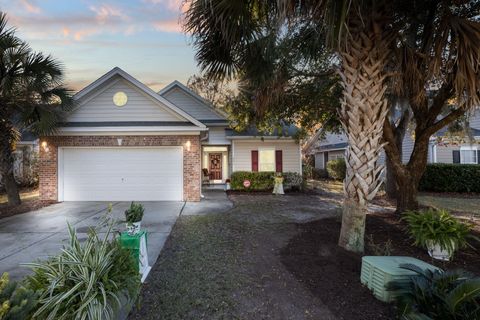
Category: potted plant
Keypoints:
(227, 184)
(133, 217)
(437, 231)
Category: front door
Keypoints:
(215, 166)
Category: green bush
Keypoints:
(337, 169)
(319, 174)
(307, 171)
(87, 280)
(442, 177)
(262, 181)
(448, 295)
(439, 227)
(16, 302)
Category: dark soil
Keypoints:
(331, 273)
(25, 206)
(384, 227)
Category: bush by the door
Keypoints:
(443, 177)
(262, 181)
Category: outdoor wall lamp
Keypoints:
(188, 144)
(119, 141)
(45, 146)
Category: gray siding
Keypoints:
(190, 105)
(98, 106)
(475, 119)
(216, 136)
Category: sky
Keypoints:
(143, 37)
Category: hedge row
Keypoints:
(442, 177)
(261, 181)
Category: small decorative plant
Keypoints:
(437, 231)
(437, 295)
(133, 217)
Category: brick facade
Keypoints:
(191, 158)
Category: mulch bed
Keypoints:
(25, 206)
(333, 274)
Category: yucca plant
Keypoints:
(446, 295)
(86, 281)
(437, 227)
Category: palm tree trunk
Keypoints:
(6, 163)
(363, 112)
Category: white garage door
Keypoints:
(120, 174)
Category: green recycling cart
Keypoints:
(137, 243)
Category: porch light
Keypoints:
(188, 144)
(119, 141)
(45, 146)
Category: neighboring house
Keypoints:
(126, 142)
(324, 147)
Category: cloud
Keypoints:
(30, 7)
(106, 12)
(171, 25)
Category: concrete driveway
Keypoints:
(42, 233)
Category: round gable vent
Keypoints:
(120, 99)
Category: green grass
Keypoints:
(464, 205)
(197, 270)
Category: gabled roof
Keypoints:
(149, 92)
(200, 99)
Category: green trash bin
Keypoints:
(137, 243)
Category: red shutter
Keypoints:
(278, 161)
(254, 160)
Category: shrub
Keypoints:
(337, 169)
(442, 177)
(437, 295)
(16, 302)
(439, 227)
(262, 181)
(86, 281)
(307, 171)
(134, 213)
(292, 180)
(319, 173)
(258, 180)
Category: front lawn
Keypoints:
(457, 204)
(260, 260)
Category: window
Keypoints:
(266, 160)
(468, 155)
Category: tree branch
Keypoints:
(452, 116)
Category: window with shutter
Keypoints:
(278, 161)
(254, 160)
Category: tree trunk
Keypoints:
(11, 188)
(7, 140)
(353, 226)
(391, 187)
(363, 112)
(407, 191)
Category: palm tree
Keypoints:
(31, 98)
(229, 35)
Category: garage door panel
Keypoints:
(122, 174)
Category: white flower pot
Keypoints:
(227, 186)
(134, 227)
(439, 253)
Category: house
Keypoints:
(326, 146)
(124, 142)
